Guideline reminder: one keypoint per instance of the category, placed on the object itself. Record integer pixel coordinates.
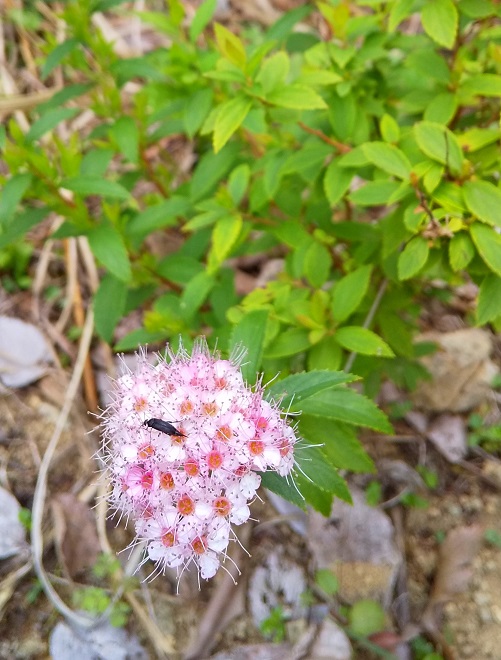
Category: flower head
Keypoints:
(183, 441)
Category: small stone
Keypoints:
(482, 598)
(454, 510)
(484, 614)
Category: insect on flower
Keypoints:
(185, 498)
(163, 426)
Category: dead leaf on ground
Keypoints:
(448, 434)
(12, 532)
(454, 571)
(75, 533)
(24, 352)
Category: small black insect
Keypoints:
(163, 426)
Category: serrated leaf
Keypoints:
(108, 247)
(461, 251)
(12, 193)
(388, 158)
(89, 185)
(109, 305)
(349, 292)
(250, 334)
(345, 405)
(301, 386)
(440, 21)
(361, 340)
(488, 243)
(230, 116)
(439, 143)
(278, 485)
(413, 257)
(201, 19)
(325, 476)
(48, 121)
(483, 199)
(489, 300)
(337, 181)
(339, 443)
(296, 97)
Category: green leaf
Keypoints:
(440, 21)
(225, 235)
(289, 342)
(211, 168)
(482, 84)
(337, 181)
(413, 257)
(274, 71)
(126, 135)
(360, 340)
(48, 121)
(12, 193)
(22, 223)
(326, 354)
(399, 11)
(388, 158)
(249, 333)
(339, 443)
(488, 243)
(195, 294)
(317, 264)
(325, 476)
(349, 292)
(461, 251)
(390, 130)
(56, 56)
(96, 162)
(158, 216)
(201, 19)
(317, 498)
(301, 386)
(367, 617)
(489, 300)
(238, 183)
(439, 143)
(230, 116)
(109, 305)
(374, 193)
(89, 185)
(197, 109)
(108, 247)
(442, 108)
(280, 486)
(345, 405)
(483, 199)
(230, 45)
(296, 97)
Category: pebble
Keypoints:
(482, 598)
(484, 614)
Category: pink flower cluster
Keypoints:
(185, 490)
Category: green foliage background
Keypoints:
(368, 158)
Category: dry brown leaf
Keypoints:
(76, 538)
